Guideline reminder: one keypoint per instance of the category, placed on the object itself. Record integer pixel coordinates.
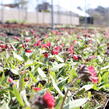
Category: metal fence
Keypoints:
(37, 17)
(48, 12)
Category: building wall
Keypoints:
(37, 17)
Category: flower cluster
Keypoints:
(56, 50)
(44, 101)
(93, 74)
(49, 100)
(88, 73)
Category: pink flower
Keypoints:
(38, 43)
(36, 89)
(1, 41)
(54, 52)
(94, 79)
(47, 45)
(44, 46)
(90, 41)
(62, 44)
(3, 46)
(27, 39)
(28, 51)
(16, 38)
(46, 55)
(57, 48)
(24, 45)
(49, 100)
(92, 57)
(87, 35)
(10, 80)
(93, 74)
(78, 37)
(54, 32)
(71, 50)
(75, 57)
(32, 31)
(92, 71)
(75, 42)
(46, 36)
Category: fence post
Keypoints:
(85, 15)
(2, 12)
(52, 14)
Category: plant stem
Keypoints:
(68, 91)
(64, 99)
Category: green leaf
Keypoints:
(75, 103)
(21, 82)
(98, 106)
(41, 73)
(89, 95)
(23, 94)
(105, 77)
(100, 59)
(4, 106)
(2, 78)
(32, 77)
(53, 74)
(106, 86)
(7, 54)
(18, 57)
(18, 96)
(80, 92)
(57, 66)
(87, 87)
(62, 81)
(59, 103)
(28, 54)
(59, 59)
(106, 67)
(1, 69)
(27, 108)
(56, 87)
(15, 71)
(29, 63)
(13, 47)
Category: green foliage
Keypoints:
(25, 66)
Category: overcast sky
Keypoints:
(67, 4)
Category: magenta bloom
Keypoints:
(10, 80)
(75, 42)
(3, 46)
(93, 74)
(92, 71)
(47, 45)
(49, 100)
(71, 50)
(38, 43)
(94, 79)
(46, 55)
(36, 89)
(28, 51)
(16, 38)
(75, 57)
(54, 52)
(57, 48)
(27, 39)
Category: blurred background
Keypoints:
(55, 12)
